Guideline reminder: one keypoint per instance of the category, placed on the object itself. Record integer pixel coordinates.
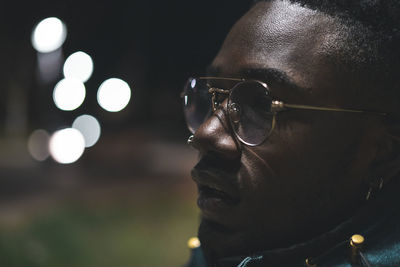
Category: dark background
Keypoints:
(129, 200)
(154, 45)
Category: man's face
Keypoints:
(309, 174)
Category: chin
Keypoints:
(218, 241)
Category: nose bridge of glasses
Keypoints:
(214, 134)
(220, 115)
(215, 92)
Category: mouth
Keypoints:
(217, 192)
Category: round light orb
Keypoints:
(79, 66)
(49, 35)
(113, 95)
(90, 128)
(69, 94)
(38, 145)
(67, 145)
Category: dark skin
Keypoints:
(314, 169)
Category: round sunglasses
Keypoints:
(251, 109)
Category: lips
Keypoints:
(217, 192)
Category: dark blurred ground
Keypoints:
(134, 207)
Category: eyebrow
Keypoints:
(265, 75)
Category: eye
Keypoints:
(249, 112)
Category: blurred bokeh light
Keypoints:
(79, 66)
(128, 200)
(69, 94)
(90, 128)
(67, 145)
(38, 145)
(114, 95)
(49, 35)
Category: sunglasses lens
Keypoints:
(249, 112)
(196, 103)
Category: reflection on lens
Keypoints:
(193, 83)
(196, 103)
(249, 112)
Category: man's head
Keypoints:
(313, 170)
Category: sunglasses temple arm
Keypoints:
(332, 109)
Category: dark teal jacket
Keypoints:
(378, 222)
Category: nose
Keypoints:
(215, 135)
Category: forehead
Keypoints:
(288, 37)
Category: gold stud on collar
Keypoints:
(356, 244)
(357, 241)
(193, 243)
(309, 264)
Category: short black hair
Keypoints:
(374, 39)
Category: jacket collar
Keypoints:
(334, 243)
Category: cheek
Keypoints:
(274, 172)
(303, 164)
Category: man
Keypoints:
(298, 137)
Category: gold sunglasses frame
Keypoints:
(276, 105)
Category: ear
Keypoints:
(387, 162)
